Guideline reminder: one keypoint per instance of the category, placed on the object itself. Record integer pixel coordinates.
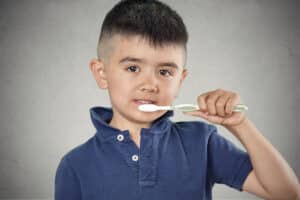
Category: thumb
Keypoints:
(198, 113)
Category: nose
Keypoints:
(149, 83)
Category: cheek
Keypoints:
(118, 87)
(118, 81)
(169, 90)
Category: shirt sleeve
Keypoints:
(67, 185)
(227, 164)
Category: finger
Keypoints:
(235, 118)
(221, 104)
(202, 101)
(215, 119)
(234, 99)
(211, 101)
(197, 114)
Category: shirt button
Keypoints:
(120, 137)
(135, 158)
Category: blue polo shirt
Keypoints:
(176, 160)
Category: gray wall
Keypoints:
(251, 47)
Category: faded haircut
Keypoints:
(150, 19)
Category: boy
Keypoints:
(140, 155)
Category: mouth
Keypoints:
(144, 101)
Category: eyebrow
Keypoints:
(139, 60)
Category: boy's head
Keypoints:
(149, 19)
(141, 56)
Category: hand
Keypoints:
(216, 107)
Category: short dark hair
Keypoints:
(151, 19)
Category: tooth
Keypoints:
(145, 101)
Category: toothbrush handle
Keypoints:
(166, 107)
(238, 108)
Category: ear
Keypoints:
(98, 70)
(183, 75)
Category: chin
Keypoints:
(134, 114)
(148, 116)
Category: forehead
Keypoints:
(140, 47)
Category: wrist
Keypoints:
(235, 129)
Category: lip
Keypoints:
(143, 101)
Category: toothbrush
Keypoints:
(183, 107)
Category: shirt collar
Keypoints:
(101, 116)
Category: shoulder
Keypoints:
(194, 127)
(194, 130)
(79, 154)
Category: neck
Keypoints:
(134, 128)
(124, 124)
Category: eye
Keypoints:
(165, 72)
(132, 68)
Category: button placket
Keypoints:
(147, 174)
(128, 150)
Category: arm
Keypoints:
(272, 177)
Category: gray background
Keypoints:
(250, 47)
